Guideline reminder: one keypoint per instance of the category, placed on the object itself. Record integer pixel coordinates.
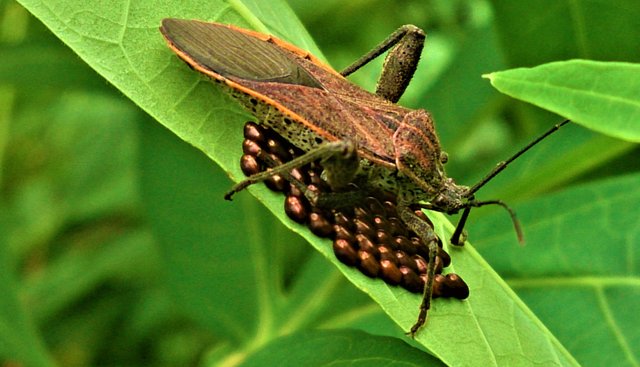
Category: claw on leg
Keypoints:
(428, 289)
(427, 234)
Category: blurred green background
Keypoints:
(100, 206)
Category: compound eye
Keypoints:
(444, 157)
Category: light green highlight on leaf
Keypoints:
(602, 96)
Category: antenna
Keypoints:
(458, 233)
(502, 165)
(472, 203)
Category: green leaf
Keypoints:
(579, 269)
(339, 348)
(603, 96)
(123, 44)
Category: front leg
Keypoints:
(340, 161)
(428, 236)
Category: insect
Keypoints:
(365, 141)
(368, 236)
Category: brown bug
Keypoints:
(367, 236)
(366, 142)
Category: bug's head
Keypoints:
(426, 171)
(455, 198)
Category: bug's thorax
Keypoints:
(440, 191)
(451, 198)
(420, 159)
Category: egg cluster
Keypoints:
(369, 236)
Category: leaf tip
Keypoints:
(489, 76)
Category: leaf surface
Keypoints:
(603, 96)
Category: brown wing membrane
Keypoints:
(230, 53)
(291, 80)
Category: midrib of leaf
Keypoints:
(598, 284)
(577, 19)
(573, 281)
(613, 325)
(246, 14)
(314, 302)
(7, 99)
(264, 287)
(349, 316)
(514, 297)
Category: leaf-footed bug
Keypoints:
(366, 142)
(368, 236)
